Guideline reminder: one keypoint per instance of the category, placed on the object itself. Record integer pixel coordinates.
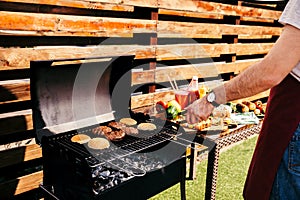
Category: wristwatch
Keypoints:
(211, 98)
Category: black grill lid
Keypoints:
(75, 93)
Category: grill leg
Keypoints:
(193, 160)
(182, 184)
(212, 173)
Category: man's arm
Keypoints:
(281, 59)
(275, 66)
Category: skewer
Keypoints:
(173, 87)
(176, 86)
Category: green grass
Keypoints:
(233, 167)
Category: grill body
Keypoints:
(74, 98)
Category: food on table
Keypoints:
(81, 138)
(203, 124)
(227, 120)
(98, 143)
(222, 111)
(161, 106)
(240, 107)
(250, 105)
(173, 110)
(232, 106)
(257, 111)
(259, 105)
(200, 126)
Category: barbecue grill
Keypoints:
(74, 96)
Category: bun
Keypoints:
(146, 126)
(81, 138)
(98, 143)
(128, 121)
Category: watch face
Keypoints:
(211, 97)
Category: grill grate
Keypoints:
(116, 154)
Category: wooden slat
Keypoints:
(15, 122)
(19, 155)
(185, 72)
(14, 92)
(163, 11)
(19, 58)
(189, 51)
(255, 19)
(208, 15)
(20, 185)
(71, 25)
(194, 30)
(142, 3)
(78, 4)
(254, 37)
(218, 8)
(150, 99)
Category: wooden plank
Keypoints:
(163, 11)
(218, 8)
(20, 185)
(254, 36)
(141, 3)
(255, 19)
(71, 25)
(19, 155)
(185, 72)
(78, 4)
(19, 58)
(15, 122)
(14, 91)
(190, 51)
(194, 30)
(208, 15)
(150, 99)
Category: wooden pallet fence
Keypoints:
(179, 37)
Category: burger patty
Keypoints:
(115, 131)
(101, 130)
(117, 125)
(131, 131)
(115, 135)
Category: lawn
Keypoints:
(233, 166)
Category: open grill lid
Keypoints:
(75, 93)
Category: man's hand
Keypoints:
(198, 111)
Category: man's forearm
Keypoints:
(267, 73)
(252, 81)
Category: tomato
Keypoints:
(161, 106)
